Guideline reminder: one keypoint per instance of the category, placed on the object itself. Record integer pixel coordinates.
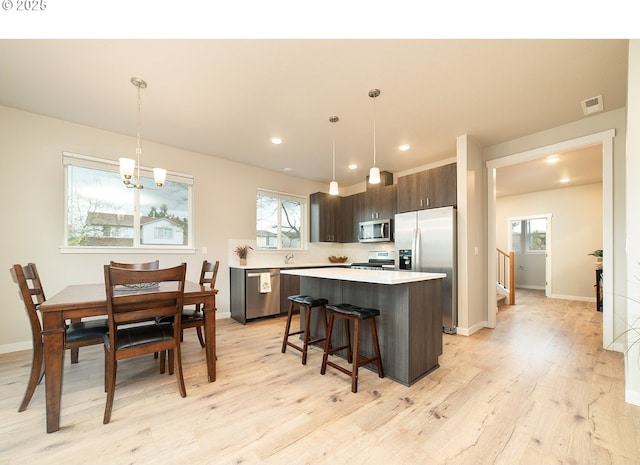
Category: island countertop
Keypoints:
(365, 276)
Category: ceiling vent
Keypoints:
(592, 105)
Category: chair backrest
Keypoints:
(209, 273)
(154, 265)
(143, 295)
(32, 295)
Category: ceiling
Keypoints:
(227, 98)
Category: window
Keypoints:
(529, 236)
(102, 212)
(280, 221)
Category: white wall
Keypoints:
(632, 361)
(576, 231)
(31, 185)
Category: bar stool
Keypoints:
(356, 314)
(307, 302)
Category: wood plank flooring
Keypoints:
(537, 390)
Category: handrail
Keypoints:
(506, 268)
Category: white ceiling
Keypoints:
(227, 98)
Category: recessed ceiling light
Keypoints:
(404, 147)
(553, 159)
(565, 180)
(353, 166)
(276, 140)
(287, 169)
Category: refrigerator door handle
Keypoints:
(415, 260)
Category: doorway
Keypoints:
(605, 139)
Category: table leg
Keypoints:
(210, 336)
(53, 339)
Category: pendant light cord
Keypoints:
(138, 148)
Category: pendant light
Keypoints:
(128, 165)
(374, 173)
(333, 186)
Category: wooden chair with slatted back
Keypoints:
(194, 317)
(142, 296)
(77, 334)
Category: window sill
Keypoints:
(127, 250)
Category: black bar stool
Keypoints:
(307, 302)
(356, 314)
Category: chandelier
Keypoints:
(129, 166)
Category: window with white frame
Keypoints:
(102, 212)
(529, 235)
(280, 221)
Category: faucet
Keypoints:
(288, 258)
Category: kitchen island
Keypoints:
(410, 321)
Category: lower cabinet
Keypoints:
(289, 285)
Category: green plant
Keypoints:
(596, 253)
(242, 250)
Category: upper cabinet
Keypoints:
(379, 199)
(379, 202)
(324, 212)
(351, 210)
(432, 188)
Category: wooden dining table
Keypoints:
(87, 300)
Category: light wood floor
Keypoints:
(537, 390)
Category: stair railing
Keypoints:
(506, 267)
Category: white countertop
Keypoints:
(366, 276)
(290, 265)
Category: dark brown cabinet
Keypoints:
(324, 213)
(289, 285)
(432, 188)
(352, 207)
(379, 203)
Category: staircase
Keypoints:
(506, 279)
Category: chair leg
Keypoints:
(162, 361)
(179, 375)
(75, 353)
(171, 361)
(37, 373)
(200, 338)
(356, 356)
(111, 366)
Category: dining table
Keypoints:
(88, 300)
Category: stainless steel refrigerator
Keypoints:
(426, 240)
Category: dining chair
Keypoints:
(154, 265)
(193, 315)
(142, 296)
(77, 334)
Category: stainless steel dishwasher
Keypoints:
(262, 300)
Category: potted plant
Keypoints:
(598, 255)
(241, 251)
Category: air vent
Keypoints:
(592, 105)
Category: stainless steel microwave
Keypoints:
(376, 231)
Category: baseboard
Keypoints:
(471, 330)
(573, 297)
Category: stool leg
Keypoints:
(307, 326)
(327, 345)
(376, 347)
(287, 327)
(347, 333)
(356, 356)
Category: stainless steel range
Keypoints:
(378, 261)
